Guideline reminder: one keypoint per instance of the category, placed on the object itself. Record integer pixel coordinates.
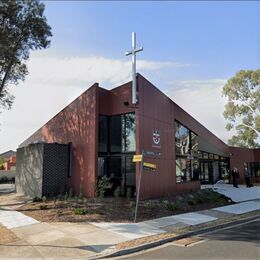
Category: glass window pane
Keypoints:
(182, 139)
(194, 144)
(116, 134)
(195, 174)
(102, 134)
(102, 166)
(130, 132)
(216, 157)
(210, 156)
(182, 170)
(205, 155)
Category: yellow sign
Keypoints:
(137, 158)
(150, 165)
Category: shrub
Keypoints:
(79, 211)
(129, 193)
(70, 193)
(66, 196)
(43, 207)
(103, 185)
(117, 192)
(172, 206)
(81, 192)
(37, 199)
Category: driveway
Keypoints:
(7, 188)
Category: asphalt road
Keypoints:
(240, 242)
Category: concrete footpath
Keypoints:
(86, 240)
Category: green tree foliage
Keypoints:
(1, 163)
(23, 27)
(242, 111)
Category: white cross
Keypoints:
(133, 53)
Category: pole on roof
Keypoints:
(133, 53)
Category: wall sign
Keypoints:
(156, 137)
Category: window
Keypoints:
(182, 139)
(102, 134)
(116, 134)
(102, 166)
(254, 169)
(205, 155)
(129, 132)
(186, 146)
(122, 133)
(116, 147)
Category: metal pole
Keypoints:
(139, 185)
(134, 68)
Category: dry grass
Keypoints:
(6, 236)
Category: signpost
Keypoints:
(139, 158)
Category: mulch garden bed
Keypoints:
(120, 209)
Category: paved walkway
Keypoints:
(236, 194)
(82, 240)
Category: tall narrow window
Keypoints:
(130, 132)
(116, 134)
(102, 133)
(186, 147)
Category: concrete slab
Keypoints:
(131, 230)
(236, 194)
(193, 218)
(240, 208)
(101, 239)
(215, 213)
(44, 237)
(13, 219)
(74, 228)
(32, 229)
(19, 250)
(162, 222)
(68, 248)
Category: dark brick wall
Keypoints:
(55, 168)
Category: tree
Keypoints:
(23, 27)
(243, 108)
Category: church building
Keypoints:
(105, 130)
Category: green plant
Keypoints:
(37, 199)
(70, 193)
(117, 192)
(129, 193)
(172, 206)
(79, 211)
(81, 194)
(66, 196)
(43, 207)
(103, 184)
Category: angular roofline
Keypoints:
(138, 74)
(95, 85)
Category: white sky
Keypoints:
(54, 82)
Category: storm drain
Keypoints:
(189, 241)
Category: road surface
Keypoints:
(239, 242)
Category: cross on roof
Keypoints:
(133, 53)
